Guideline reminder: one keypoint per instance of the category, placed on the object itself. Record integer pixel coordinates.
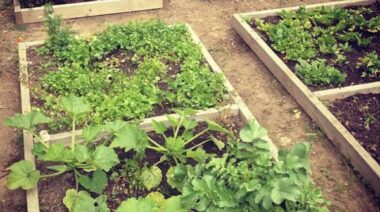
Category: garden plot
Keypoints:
(214, 159)
(321, 51)
(33, 11)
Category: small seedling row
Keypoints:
(313, 102)
(235, 109)
(84, 9)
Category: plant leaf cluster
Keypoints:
(86, 68)
(304, 35)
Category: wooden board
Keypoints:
(344, 92)
(335, 131)
(236, 108)
(84, 9)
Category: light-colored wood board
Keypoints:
(85, 9)
(147, 124)
(245, 113)
(32, 194)
(335, 131)
(340, 93)
(274, 12)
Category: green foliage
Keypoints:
(87, 69)
(151, 177)
(306, 35)
(23, 175)
(153, 202)
(370, 64)
(317, 72)
(175, 146)
(78, 201)
(97, 183)
(27, 121)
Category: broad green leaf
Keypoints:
(177, 176)
(137, 205)
(159, 127)
(101, 202)
(58, 153)
(132, 137)
(189, 124)
(220, 144)
(115, 126)
(252, 131)
(173, 121)
(104, 158)
(79, 201)
(23, 175)
(91, 133)
(301, 150)
(151, 177)
(27, 121)
(97, 183)
(173, 204)
(81, 153)
(212, 125)
(283, 189)
(176, 145)
(75, 105)
(198, 155)
(157, 198)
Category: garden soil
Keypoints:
(274, 108)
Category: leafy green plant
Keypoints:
(78, 157)
(255, 183)
(370, 64)
(318, 73)
(152, 50)
(308, 35)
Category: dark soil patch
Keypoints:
(52, 190)
(348, 67)
(360, 114)
(39, 3)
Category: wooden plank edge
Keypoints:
(31, 194)
(88, 9)
(339, 93)
(336, 132)
(147, 124)
(273, 12)
(245, 113)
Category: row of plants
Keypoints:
(240, 175)
(126, 72)
(320, 44)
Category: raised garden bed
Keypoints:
(309, 97)
(232, 106)
(84, 9)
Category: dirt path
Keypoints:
(270, 103)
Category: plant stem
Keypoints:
(73, 135)
(196, 136)
(179, 126)
(155, 143)
(157, 149)
(198, 145)
(53, 174)
(76, 179)
(40, 140)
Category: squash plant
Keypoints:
(245, 177)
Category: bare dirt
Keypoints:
(360, 114)
(274, 108)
